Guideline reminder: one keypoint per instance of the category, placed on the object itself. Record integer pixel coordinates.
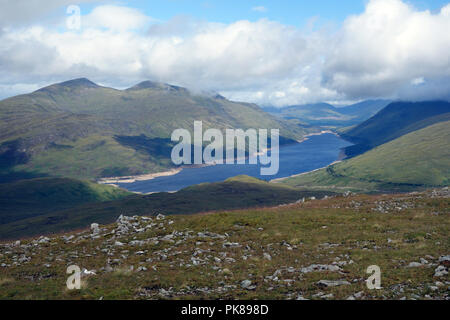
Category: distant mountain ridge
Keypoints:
(325, 114)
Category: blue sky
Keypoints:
(290, 12)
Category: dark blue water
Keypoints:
(316, 152)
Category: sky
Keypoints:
(268, 52)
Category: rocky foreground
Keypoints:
(313, 249)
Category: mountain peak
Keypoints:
(80, 82)
(157, 85)
(147, 85)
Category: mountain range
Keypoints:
(82, 130)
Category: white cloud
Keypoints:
(418, 81)
(259, 9)
(387, 51)
(378, 52)
(115, 18)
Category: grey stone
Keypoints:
(267, 256)
(319, 268)
(332, 283)
(247, 284)
(445, 260)
(231, 245)
(440, 271)
(414, 265)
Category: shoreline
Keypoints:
(303, 173)
(114, 181)
(306, 137)
(142, 177)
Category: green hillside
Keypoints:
(395, 120)
(82, 130)
(54, 216)
(416, 160)
(29, 198)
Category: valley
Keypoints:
(408, 153)
(334, 208)
(224, 159)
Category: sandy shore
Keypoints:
(131, 179)
(316, 134)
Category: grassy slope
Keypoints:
(395, 120)
(30, 198)
(95, 156)
(338, 230)
(418, 159)
(74, 128)
(234, 193)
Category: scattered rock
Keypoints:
(445, 260)
(231, 245)
(414, 265)
(43, 239)
(319, 268)
(247, 284)
(440, 271)
(267, 256)
(332, 283)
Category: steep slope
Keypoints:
(364, 110)
(416, 160)
(79, 129)
(395, 120)
(234, 193)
